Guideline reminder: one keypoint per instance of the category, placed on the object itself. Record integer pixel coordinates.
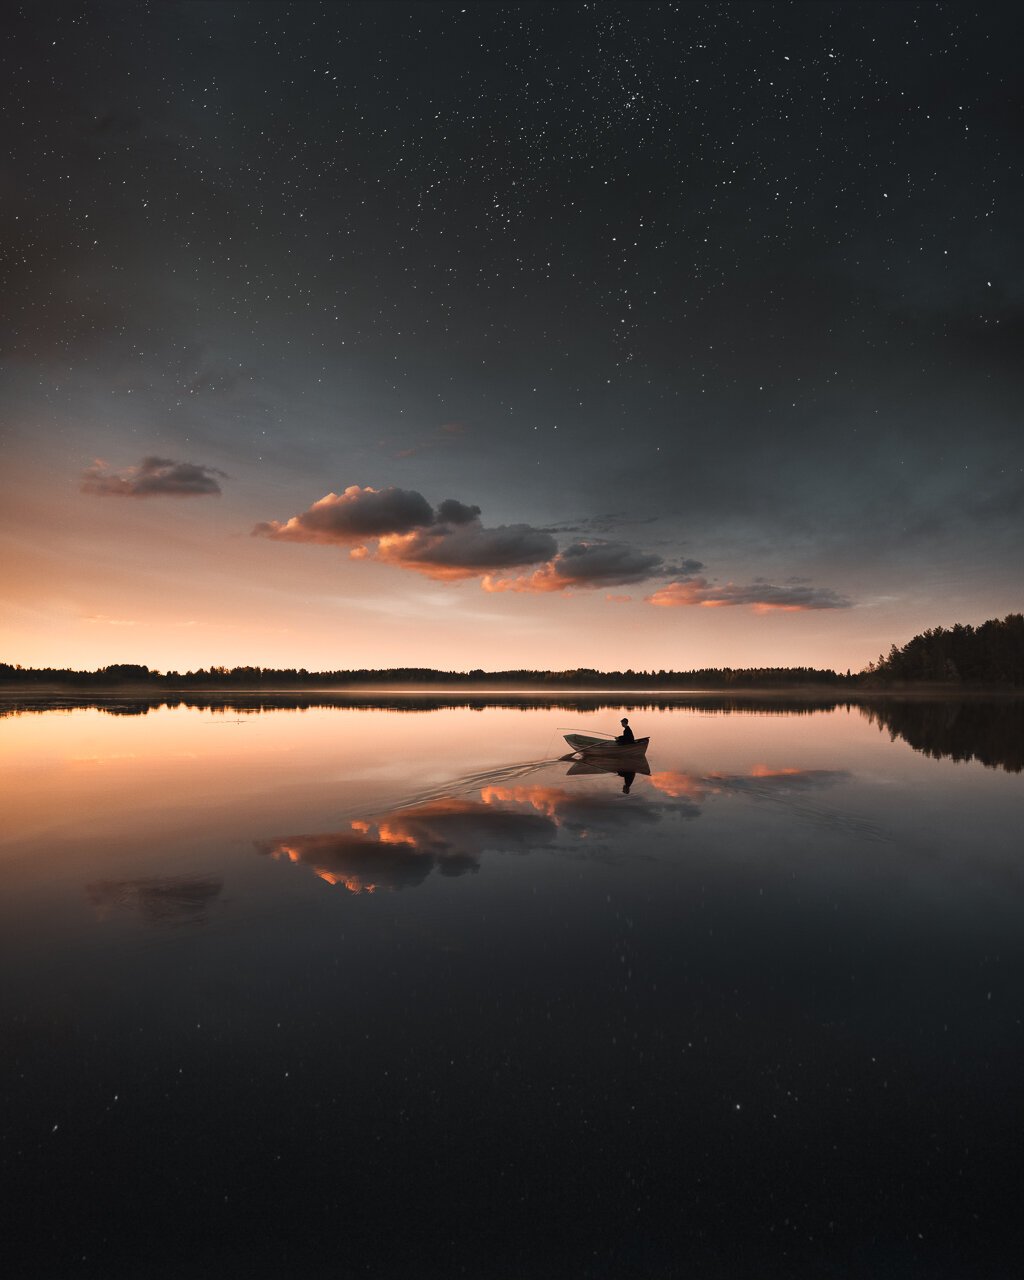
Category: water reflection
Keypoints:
(987, 729)
(412, 701)
(159, 900)
(399, 849)
(984, 728)
(760, 782)
(650, 1015)
(591, 766)
(990, 731)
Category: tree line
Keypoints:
(127, 674)
(992, 654)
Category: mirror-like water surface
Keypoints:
(348, 990)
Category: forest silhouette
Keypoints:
(991, 654)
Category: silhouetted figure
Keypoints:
(626, 736)
(627, 780)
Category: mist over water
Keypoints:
(348, 990)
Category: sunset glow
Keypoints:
(623, 380)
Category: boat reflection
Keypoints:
(401, 848)
(592, 765)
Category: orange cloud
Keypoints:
(447, 544)
(349, 517)
(761, 596)
(451, 543)
(448, 552)
(592, 564)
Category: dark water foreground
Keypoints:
(341, 991)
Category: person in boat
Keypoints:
(626, 736)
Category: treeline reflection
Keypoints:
(990, 731)
(413, 703)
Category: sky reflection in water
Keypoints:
(399, 849)
(759, 1014)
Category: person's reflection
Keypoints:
(592, 766)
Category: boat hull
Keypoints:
(588, 746)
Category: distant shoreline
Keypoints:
(841, 692)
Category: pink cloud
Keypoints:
(762, 597)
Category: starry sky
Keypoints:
(508, 335)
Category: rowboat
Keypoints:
(587, 745)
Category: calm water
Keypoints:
(344, 991)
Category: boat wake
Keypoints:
(458, 786)
(475, 782)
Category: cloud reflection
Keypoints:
(761, 780)
(401, 848)
(159, 900)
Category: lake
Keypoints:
(383, 987)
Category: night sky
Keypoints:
(482, 335)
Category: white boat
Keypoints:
(587, 745)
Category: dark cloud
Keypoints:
(466, 551)
(452, 511)
(451, 544)
(590, 564)
(346, 518)
(153, 477)
(685, 569)
(448, 544)
(762, 596)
